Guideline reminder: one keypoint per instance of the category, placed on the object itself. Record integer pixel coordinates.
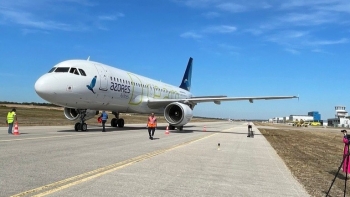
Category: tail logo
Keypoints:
(92, 84)
(186, 80)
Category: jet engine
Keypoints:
(74, 114)
(178, 114)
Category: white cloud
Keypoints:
(197, 3)
(232, 7)
(111, 17)
(329, 42)
(293, 51)
(26, 19)
(290, 39)
(320, 51)
(81, 2)
(211, 14)
(191, 34)
(313, 18)
(294, 4)
(220, 29)
(49, 15)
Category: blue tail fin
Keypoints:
(186, 80)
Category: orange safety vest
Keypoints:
(152, 122)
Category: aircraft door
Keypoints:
(150, 91)
(136, 90)
(103, 75)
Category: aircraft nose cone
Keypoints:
(43, 86)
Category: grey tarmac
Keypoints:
(57, 161)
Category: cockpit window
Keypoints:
(82, 72)
(52, 69)
(74, 71)
(62, 70)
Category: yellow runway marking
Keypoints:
(69, 182)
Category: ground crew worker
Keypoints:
(104, 117)
(151, 125)
(11, 117)
(250, 130)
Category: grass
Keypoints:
(312, 155)
(36, 115)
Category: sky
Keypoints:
(239, 47)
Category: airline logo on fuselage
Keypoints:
(92, 84)
(123, 89)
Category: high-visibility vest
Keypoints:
(152, 121)
(10, 117)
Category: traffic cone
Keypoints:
(15, 131)
(167, 130)
(204, 128)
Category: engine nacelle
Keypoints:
(74, 114)
(178, 114)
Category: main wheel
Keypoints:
(114, 122)
(121, 123)
(84, 127)
(77, 126)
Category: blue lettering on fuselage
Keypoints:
(120, 87)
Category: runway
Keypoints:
(57, 161)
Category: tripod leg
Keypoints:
(346, 170)
(341, 164)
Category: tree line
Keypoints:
(29, 103)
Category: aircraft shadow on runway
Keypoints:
(116, 129)
(187, 129)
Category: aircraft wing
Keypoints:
(156, 103)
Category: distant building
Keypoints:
(316, 115)
(276, 120)
(300, 117)
(340, 119)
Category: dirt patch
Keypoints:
(312, 155)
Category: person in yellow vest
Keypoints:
(11, 118)
(151, 125)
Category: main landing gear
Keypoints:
(81, 125)
(172, 127)
(117, 122)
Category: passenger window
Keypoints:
(62, 70)
(82, 72)
(52, 69)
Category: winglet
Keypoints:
(186, 80)
(88, 59)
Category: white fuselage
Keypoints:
(113, 90)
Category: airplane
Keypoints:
(84, 87)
